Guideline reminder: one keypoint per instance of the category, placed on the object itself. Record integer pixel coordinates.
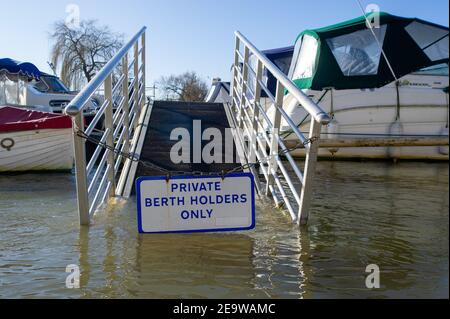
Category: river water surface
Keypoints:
(394, 216)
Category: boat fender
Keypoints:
(443, 150)
(395, 129)
(332, 133)
(7, 143)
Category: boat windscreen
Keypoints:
(50, 84)
(358, 53)
(440, 69)
(431, 39)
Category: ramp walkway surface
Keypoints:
(167, 116)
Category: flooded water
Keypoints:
(395, 216)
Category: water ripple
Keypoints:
(395, 216)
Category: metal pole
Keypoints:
(143, 70)
(235, 73)
(126, 106)
(308, 176)
(80, 170)
(275, 133)
(256, 112)
(136, 84)
(244, 88)
(110, 138)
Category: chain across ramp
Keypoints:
(135, 158)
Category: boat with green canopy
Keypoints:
(377, 75)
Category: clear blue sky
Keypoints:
(191, 35)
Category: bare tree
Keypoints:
(186, 87)
(79, 53)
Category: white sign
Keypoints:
(195, 203)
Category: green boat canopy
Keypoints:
(348, 55)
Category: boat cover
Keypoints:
(13, 119)
(22, 68)
(348, 55)
(281, 57)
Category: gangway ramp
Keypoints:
(166, 118)
(134, 128)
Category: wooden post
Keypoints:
(308, 176)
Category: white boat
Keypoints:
(32, 136)
(34, 141)
(373, 113)
(23, 84)
(390, 81)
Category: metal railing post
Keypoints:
(136, 84)
(143, 69)
(235, 75)
(244, 88)
(310, 169)
(126, 106)
(253, 142)
(110, 138)
(274, 149)
(80, 170)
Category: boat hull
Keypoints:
(36, 150)
(362, 114)
(368, 122)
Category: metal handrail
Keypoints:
(316, 111)
(258, 132)
(79, 102)
(97, 181)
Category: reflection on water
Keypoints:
(395, 216)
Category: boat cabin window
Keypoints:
(358, 53)
(40, 86)
(50, 84)
(432, 40)
(305, 54)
